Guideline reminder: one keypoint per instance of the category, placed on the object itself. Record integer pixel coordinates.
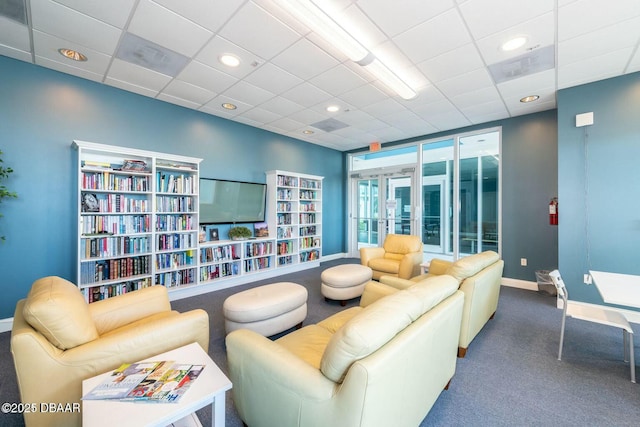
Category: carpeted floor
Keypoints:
(509, 377)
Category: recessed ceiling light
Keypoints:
(72, 54)
(307, 132)
(229, 60)
(530, 98)
(514, 43)
(229, 106)
(333, 108)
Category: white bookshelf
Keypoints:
(143, 229)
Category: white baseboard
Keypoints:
(520, 284)
(6, 324)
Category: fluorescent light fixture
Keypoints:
(390, 79)
(514, 43)
(320, 22)
(313, 14)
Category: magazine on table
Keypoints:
(154, 382)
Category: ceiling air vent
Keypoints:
(530, 63)
(14, 10)
(329, 125)
(144, 53)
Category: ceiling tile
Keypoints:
(138, 76)
(592, 69)
(482, 96)
(528, 85)
(539, 31)
(434, 37)
(468, 82)
(215, 106)
(188, 92)
(363, 96)
(10, 52)
(208, 78)
(261, 115)
(600, 42)
(211, 52)
(306, 95)
(395, 17)
(113, 12)
(249, 93)
(573, 21)
(68, 24)
(384, 107)
(315, 62)
(13, 34)
(65, 68)
(453, 63)
(546, 95)
(150, 21)
(308, 116)
(338, 80)
(130, 87)
(485, 17)
(178, 101)
(281, 106)
(285, 124)
(46, 46)
(206, 13)
(259, 32)
(450, 120)
(354, 117)
(273, 78)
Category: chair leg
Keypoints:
(564, 318)
(632, 359)
(462, 352)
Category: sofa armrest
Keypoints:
(373, 291)
(397, 282)
(410, 265)
(438, 267)
(112, 313)
(265, 376)
(367, 254)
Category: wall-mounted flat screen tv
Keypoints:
(223, 201)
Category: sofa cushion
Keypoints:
(468, 266)
(386, 265)
(402, 244)
(56, 308)
(308, 343)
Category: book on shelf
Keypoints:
(154, 382)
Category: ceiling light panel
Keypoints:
(15, 10)
(147, 54)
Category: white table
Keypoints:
(616, 288)
(208, 388)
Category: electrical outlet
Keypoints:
(523, 262)
(587, 279)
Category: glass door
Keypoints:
(383, 204)
(434, 226)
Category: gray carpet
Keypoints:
(509, 377)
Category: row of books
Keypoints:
(115, 224)
(218, 253)
(309, 242)
(287, 181)
(285, 194)
(308, 195)
(285, 260)
(309, 230)
(175, 222)
(225, 269)
(118, 203)
(177, 184)
(176, 278)
(284, 207)
(309, 256)
(284, 218)
(175, 204)
(92, 272)
(308, 207)
(176, 241)
(174, 260)
(284, 232)
(98, 293)
(307, 218)
(285, 247)
(157, 382)
(257, 264)
(309, 183)
(101, 247)
(112, 182)
(258, 248)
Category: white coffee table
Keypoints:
(209, 388)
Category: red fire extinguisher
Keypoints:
(553, 211)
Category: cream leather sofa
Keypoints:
(400, 255)
(58, 340)
(383, 365)
(480, 277)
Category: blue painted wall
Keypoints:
(599, 182)
(43, 111)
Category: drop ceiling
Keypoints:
(447, 50)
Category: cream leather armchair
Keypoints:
(480, 277)
(58, 340)
(399, 256)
